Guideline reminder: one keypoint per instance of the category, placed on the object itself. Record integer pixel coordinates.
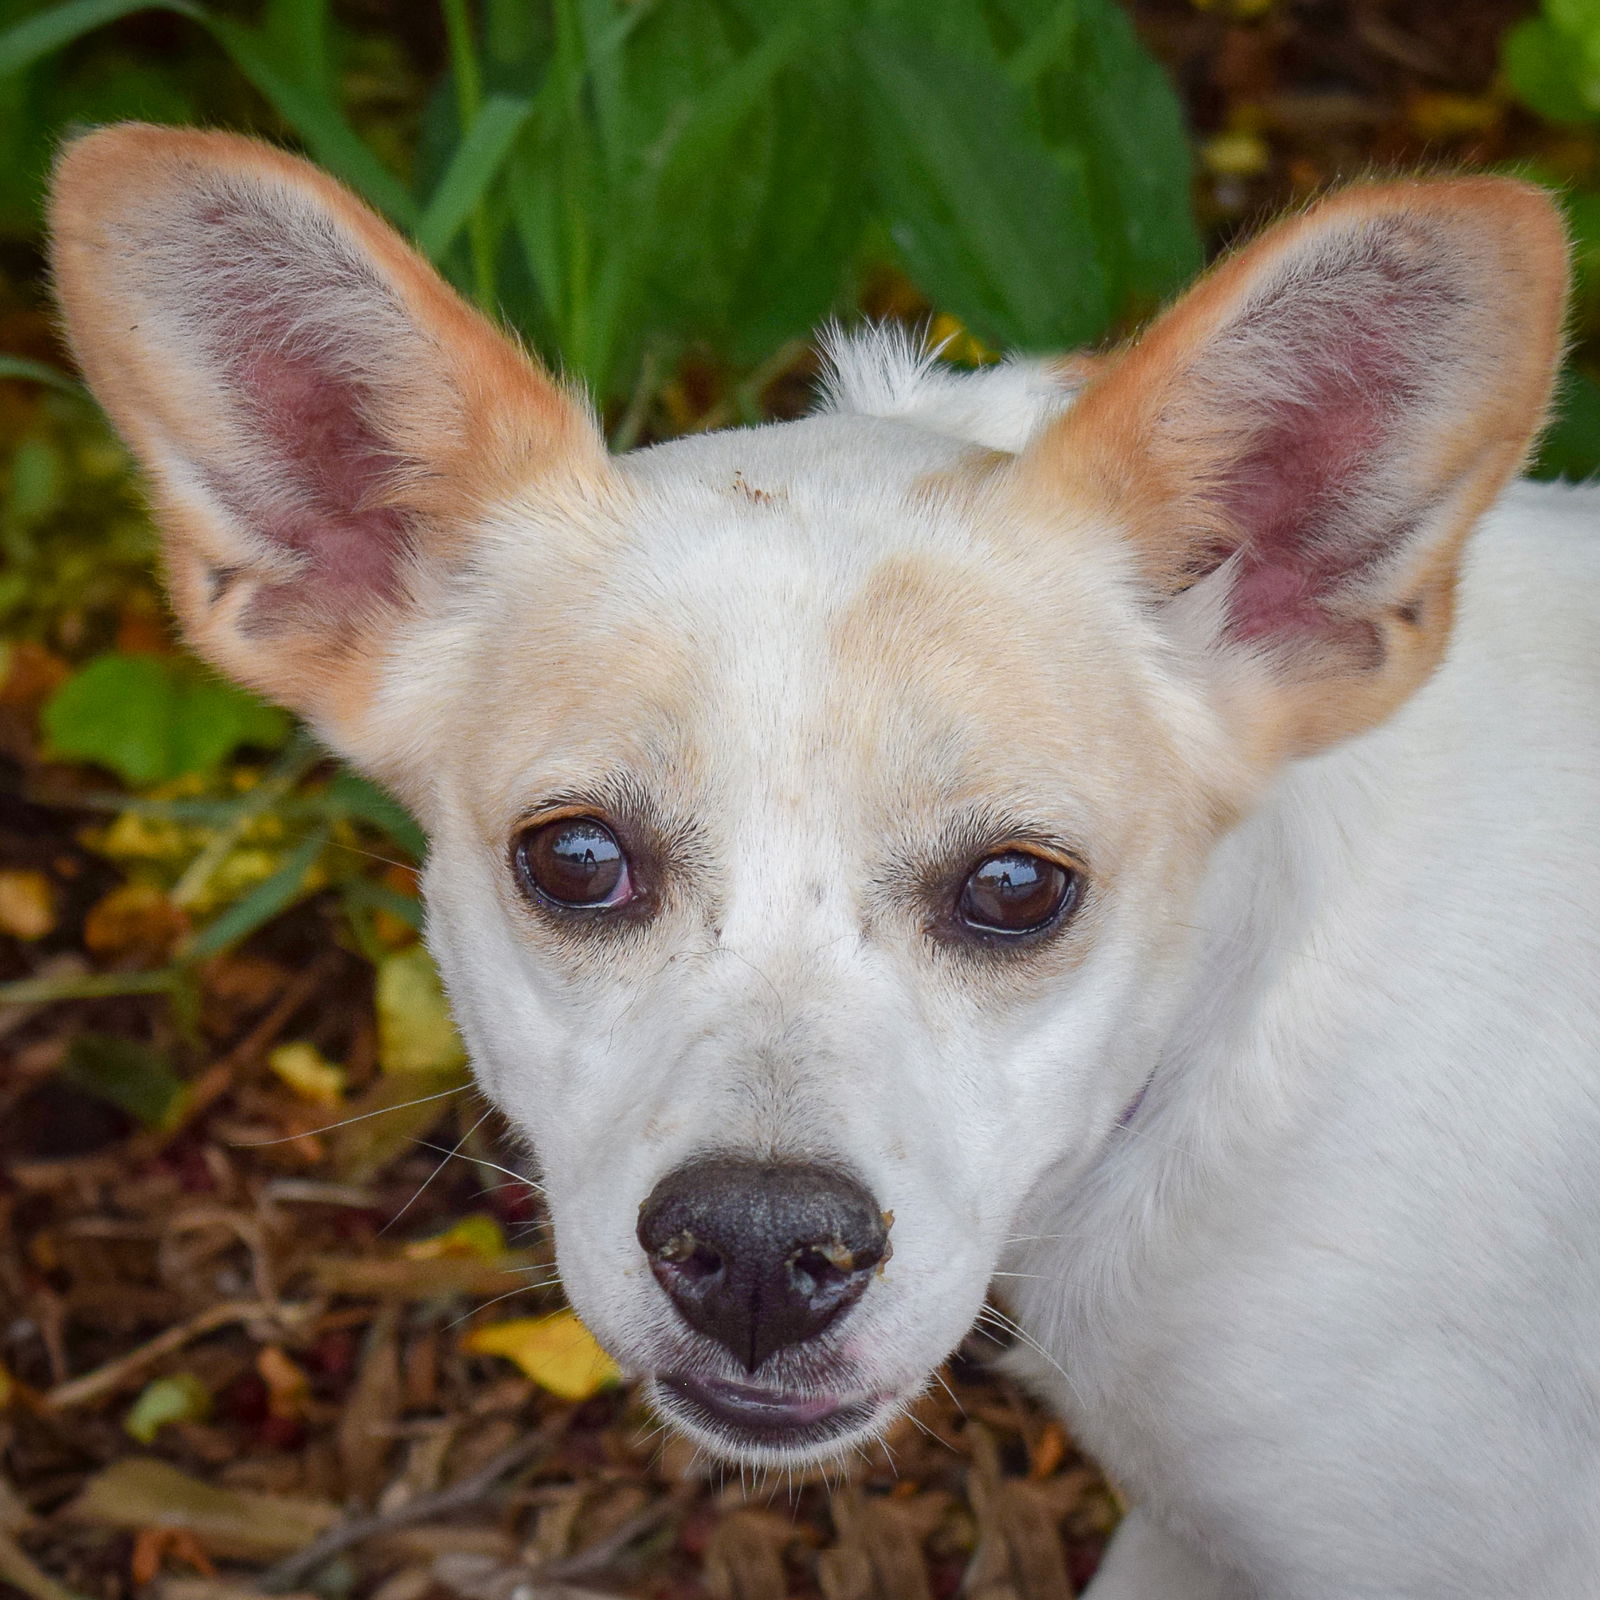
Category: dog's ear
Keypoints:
(320, 417)
(1299, 447)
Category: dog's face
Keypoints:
(892, 822)
(817, 813)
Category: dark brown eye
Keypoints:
(1017, 892)
(574, 862)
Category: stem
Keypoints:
(468, 81)
(87, 986)
(299, 756)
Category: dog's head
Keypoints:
(816, 811)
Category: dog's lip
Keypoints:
(768, 1414)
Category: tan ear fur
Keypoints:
(1151, 441)
(457, 414)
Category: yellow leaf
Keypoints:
(27, 904)
(557, 1352)
(478, 1236)
(415, 1033)
(309, 1073)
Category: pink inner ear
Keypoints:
(333, 468)
(291, 321)
(1318, 492)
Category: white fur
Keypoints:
(1327, 1305)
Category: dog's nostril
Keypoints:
(687, 1255)
(759, 1255)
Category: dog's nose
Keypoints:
(758, 1255)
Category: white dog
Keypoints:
(1106, 822)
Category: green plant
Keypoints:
(624, 180)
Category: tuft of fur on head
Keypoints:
(887, 370)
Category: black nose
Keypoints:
(758, 1254)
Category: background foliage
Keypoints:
(210, 976)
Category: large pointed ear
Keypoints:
(1301, 445)
(320, 417)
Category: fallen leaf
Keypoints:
(179, 1398)
(27, 904)
(288, 1387)
(153, 1546)
(142, 1492)
(134, 918)
(556, 1351)
(479, 1236)
(309, 1073)
(415, 1030)
(19, 1569)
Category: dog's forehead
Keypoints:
(810, 609)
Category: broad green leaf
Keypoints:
(1538, 64)
(212, 719)
(130, 1075)
(20, 367)
(1107, 100)
(1571, 445)
(993, 227)
(153, 718)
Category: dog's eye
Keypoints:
(574, 862)
(1017, 892)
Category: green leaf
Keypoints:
(180, 1398)
(993, 226)
(1539, 65)
(154, 718)
(474, 167)
(1571, 446)
(129, 1075)
(1107, 99)
(318, 121)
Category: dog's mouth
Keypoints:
(744, 1419)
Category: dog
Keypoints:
(1126, 824)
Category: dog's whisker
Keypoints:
(510, 1294)
(483, 1161)
(1011, 1326)
(918, 1423)
(422, 1188)
(365, 1116)
(944, 1383)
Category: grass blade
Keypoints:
(38, 36)
(19, 367)
(262, 904)
(474, 167)
(319, 122)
